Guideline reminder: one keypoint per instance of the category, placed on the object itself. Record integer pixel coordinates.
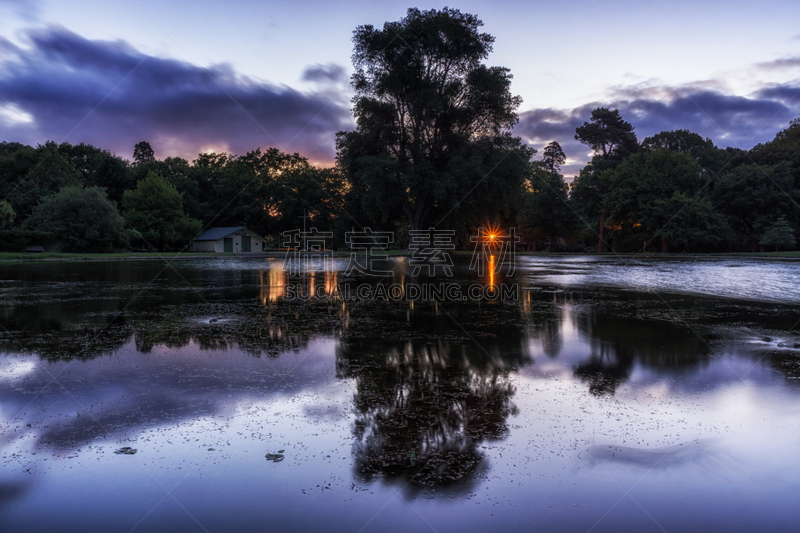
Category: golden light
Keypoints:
(492, 234)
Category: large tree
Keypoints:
(99, 168)
(432, 135)
(548, 210)
(608, 134)
(51, 172)
(710, 158)
(81, 219)
(612, 140)
(753, 197)
(155, 210)
(143, 153)
(661, 192)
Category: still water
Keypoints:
(603, 396)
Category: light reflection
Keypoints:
(331, 281)
(272, 288)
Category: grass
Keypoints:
(41, 256)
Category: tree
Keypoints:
(683, 141)
(143, 154)
(709, 157)
(661, 192)
(250, 188)
(155, 210)
(7, 214)
(780, 234)
(608, 134)
(81, 219)
(16, 161)
(99, 168)
(553, 157)
(612, 139)
(753, 197)
(547, 210)
(51, 172)
(432, 137)
(784, 147)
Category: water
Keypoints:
(649, 396)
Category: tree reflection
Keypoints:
(423, 408)
(617, 343)
(59, 333)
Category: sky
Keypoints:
(191, 76)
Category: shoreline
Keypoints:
(33, 257)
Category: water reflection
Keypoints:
(423, 408)
(617, 344)
(434, 381)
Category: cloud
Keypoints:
(330, 73)
(779, 64)
(729, 120)
(111, 95)
(790, 94)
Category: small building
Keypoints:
(235, 240)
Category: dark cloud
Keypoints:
(790, 94)
(330, 73)
(729, 120)
(787, 62)
(111, 95)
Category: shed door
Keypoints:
(245, 243)
(228, 244)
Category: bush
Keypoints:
(80, 220)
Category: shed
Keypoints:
(235, 239)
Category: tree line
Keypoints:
(677, 191)
(80, 198)
(432, 147)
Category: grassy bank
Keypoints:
(54, 256)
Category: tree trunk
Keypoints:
(552, 238)
(664, 245)
(754, 247)
(533, 246)
(601, 246)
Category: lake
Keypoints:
(247, 394)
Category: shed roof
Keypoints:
(215, 234)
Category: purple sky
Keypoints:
(191, 76)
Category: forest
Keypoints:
(433, 146)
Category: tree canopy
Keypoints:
(432, 135)
(433, 145)
(155, 210)
(661, 193)
(81, 219)
(548, 211)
